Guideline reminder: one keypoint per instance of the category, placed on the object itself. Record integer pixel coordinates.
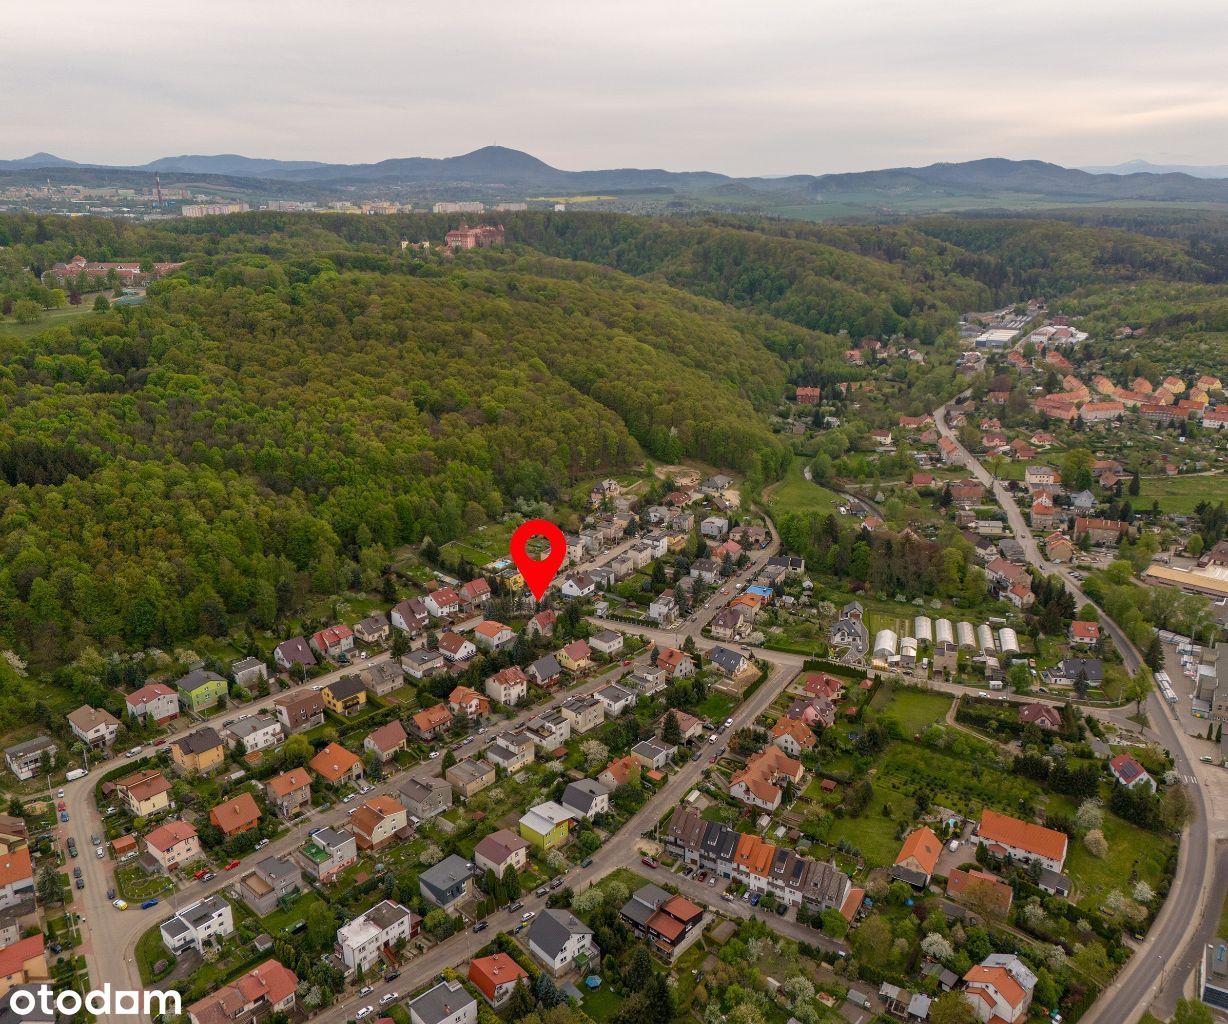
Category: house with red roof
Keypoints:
(995, 996)
(918, 858)
(259, 993)
(1005, 836)
(332, 641)
(442, 602)
(238, 814)
(155, 702)
(496, 977)
(677, 664)
(465, 700)
(761, 782)
(1129, 773)
(1082, 632)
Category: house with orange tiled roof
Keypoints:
(16, 877)
(377, 821)
(620, 771)
(258, 994)
(678, 664)
(999, 989)
(793, 736)
(238, 814)
(431, 722)
(172, 845)
(1004, 836)
(981, 890)
(496, 977)
(662, 919)
(917, 858)
(752, 860)
(289, 793)
(465, 700)
(760, 783)
(493, 636)
(334, 764)
(144, 792)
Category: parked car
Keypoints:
(80, 883)
(100, 853)
(781, 909)
(363, 1012)
(366, 990)
(149, 904)
(712, 880)
(392, 975)
(232, 865)
(587, 862)
(542, 891)
(200, 874)
(527, 916)
(481, 926)
(110, 894)
(262, 844)
(120, 904)
(754, 899)
(648, 862)
(387, 998)
(95, 840)
(208, 876)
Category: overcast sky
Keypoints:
(743, 87)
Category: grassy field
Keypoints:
(874, 833)
(1131, 850)
(50, 318)
(1179, 494)
(915, 710)
(716, 707)
(797, 494)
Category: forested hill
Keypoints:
(172, 468)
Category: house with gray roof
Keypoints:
(25, 759)
(447, 883)
(586, 797)
(560, 941)
(446, 1003)
(194, 924)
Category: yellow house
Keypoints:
(346, 697)
(23, 962)
(144, 792)
(514, 582)
(198, 752)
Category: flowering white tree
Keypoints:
(1142, 892)
(588, 901)
(937, 947)
(431, 854)
(596, 754)
(1090, 815)
(1096, 844)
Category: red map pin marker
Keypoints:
(538, 573)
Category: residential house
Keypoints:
(999, 990)
(1129, 773)
(328, 852)
(410, 616)
(619, 771)
(16, 878)
(23, 965)
(575, 657)
(608, 641)
(14, 833)
(464, 700)
(258, 732)
(1003, 835)
(647, 681)
(545, 671)
(157, 702)
(1100, 531)
(144, 792)
(663, 610)
(386, 741)
(94, 727)
(654, 756)
(337, 766)
(508, 686)
(470, 776)
(501, 850)
(511, 752)
(442, 603)
(456, 648)
(663, 920)
(289, 793)
(689, 726)
(560, 940)
(1069, 671)
(714, 527)
(293, 652)
(299, 711)
(26, 760)
(425, 798)
(1085, 633)
(616, 699)
(474, 594)
(256, 995)
(918, 858)
(447, 883)
(1043, 716)
(362, 941)
(431, 722)
(586, 797)
(793, 737)
(1058, 548)
(729, 624)
(547, 825)
(199, 752)
(676, 664)
(445, 1003)
(421, 664)
(542, 624)
(207, 919)
(760, 783)
(496, 977)
(269, 883)
(377, 821)
(493, 636)
(237, 815)
(729, 662)
(980, 890)
(382, 678)
(584, 713)
(374, 629)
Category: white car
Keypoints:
(262, 844)
(60, 794)
(434, 754)
(363, 1012)
(387, 998)
(366, 990)
(527, 915)
(347, 798)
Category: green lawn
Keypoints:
(1131, 849)
(50, 318)
(1179, 494)
(873, 833)
(716, 707)
(797, 494)
(915, 710)
(602, 1004)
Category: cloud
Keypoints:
(774, 87)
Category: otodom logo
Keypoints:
(98, 1001)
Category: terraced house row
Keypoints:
(761, 866)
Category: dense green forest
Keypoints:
(305, 396)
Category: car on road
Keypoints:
(541, 892)
(72, 847)
(712, 760)
(726, 897)
(133, 752)
(626, 661)
(701, 876)
(387, 998)
(232, 865)
(648, 862)
(208, 876)
(527, 915)
(159, 743)
(366, 789)
(513, 907)
(481, 926)
(149, 904)
(364, 1012)
(347, 798)
(587, 862)
(80, 883)
(110, 894)
(100, 853)
(366, 990)
(434, 754)
(201, 874)
(262, 844)
(119, 904)
(63, 815)
(61, 806)
(392, 975)
(712, 880)
(556, 883)
(1207, 760)
(95, 840)
(60, 793)
(754, 899)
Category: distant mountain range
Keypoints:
(495, 167)
(1143, 167)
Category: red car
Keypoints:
(627, 661)
(232, 865)
(61, 806)
(648, 861)
(200, 874)
(158, 743)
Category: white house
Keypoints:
(557, 938)
(616, 699)
(360, 941)
(608, 641)
(190, 927)
(579, 585)
(446, 1003)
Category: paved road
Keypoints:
(1143, 975)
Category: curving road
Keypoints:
(1144, 974)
